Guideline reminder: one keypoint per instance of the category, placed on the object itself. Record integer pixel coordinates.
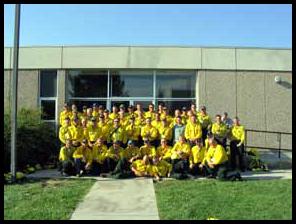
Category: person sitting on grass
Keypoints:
(159, 168)
(196, 157)
(82, 158)
(66, 162)
(164, 151)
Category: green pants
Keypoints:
(122, 170)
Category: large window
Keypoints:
(132, 83)
(107, 87)
(48, 95)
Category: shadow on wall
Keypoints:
(286, 84)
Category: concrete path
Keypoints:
(130, 199)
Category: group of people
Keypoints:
(153, 143)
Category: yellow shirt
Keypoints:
(83, 153)
(115, 154)
(216, 154)
(165, 132)
(93, 133)
(156, 124)
(164, 152)
(219, 129)
(140, 121)
(63, 115)
(131, 152)
(193, 131)
(99, 153)
(105, 129)
(132, 132)
(112, 116)
(66, 153)
(162, 168)
(185, 148)
(139, 165)
(238, 133)
(168, 118)
(204, 120)
(149, 114)
(117, 134)
(147, 150)
(65, 133)
(197, 154)
(77, 133)
(150, 132)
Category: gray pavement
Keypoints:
(129, 199)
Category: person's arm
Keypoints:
(242, 137)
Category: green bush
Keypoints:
(36, 140)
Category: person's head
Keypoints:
(146, 141)
(95, 107)
(165, 110)
(236, 121)
(198, 142)
(116, 122)
(212, 141)
(157, 116)
(116, 144)
(101, 119)
(193, 118)
(76, 121)
(130, 109)
(67, 121)
(182, 139)
(106, 113)
(193, 107)
(184, 110)
(66, 107)
(100, 141)
(122, 108)
(225, 116)
(84, 109)
(89, 111)
(148, 121)
(93, 121)
(68, 143)
(160, 107)
(83, 122)
(178, 120)
(177, 113)
(210, 135)
(132, 120)
(218, 118)
(163, 142)
(151, 107)
(114, 109)
(139, 107)
(203, 110)
(101, 108)
(74, 107)
(130, 143)
(84, 142)
(189, 113)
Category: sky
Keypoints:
(226, 25)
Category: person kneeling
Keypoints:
(196, 157)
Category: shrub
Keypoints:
(36, 140)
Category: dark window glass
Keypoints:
(175, 84)
(132, 83)
(48, 83)
(87, 83)
(48, 109)
(88, 103)
(173, 105)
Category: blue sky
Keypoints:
(189, 25)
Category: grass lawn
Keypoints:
(253, 199)
(44, 199)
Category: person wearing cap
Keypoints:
(83, 158)
(178, 129)
(95, 112)
(193, 130)
(219, 130)
(130, 113)
(165, 114)
(105, 128)
(156, 122)
(149, 132)
(184, 115)
(65, 113)
(66, 161)
(164, 151)
(165, 131)
(150, 113)
(205, 121)
(99, 151)
(180, 158)
(114, 153)
(76, 132)
(196, 157)
(64, 131)
(117, 133)
(215, 160)
(133, 131)
(237, 140)
(93, 132)
(122, 110)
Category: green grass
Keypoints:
(255, 200)
(46, 199)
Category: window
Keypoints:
(175, 104)
(88, 103)
(87, 83)
(48, 95)
(175, 84)
(132, 83)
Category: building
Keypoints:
(254, 84)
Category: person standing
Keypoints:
(205, 121)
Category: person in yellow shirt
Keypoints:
(117, 133)
(147, 150)
(130, 110)
(150, 113)
(215, 159)
(156, 122)
(196, 157)
(140, 119)
(83, 115)
(219, 130)
(184, 115)
(122, 119)
(165, 131)
(193, 108)
(160, 168)
(139, 110)
(93, 132)
(66, 161)
(76, 132)
(164, 151)
(89, 116)
(165, 114)
(113, 155)
(107, 119)
(193, 130)
(105, 128)
(64, 132)
(180, 158)
(205, 121)
(160, 108)
(114, 113)
(237, 145)
(95, 110)
(82, 158)
(133, 131)
(65, 113)
(99, 151)
(149, 132)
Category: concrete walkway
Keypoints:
(130, 199)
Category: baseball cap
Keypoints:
(184, 108)
(93, 119)
(121, 106)
(203, 108)
(95, 105)
(130, 142)
(106, 111)
(84, 107)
